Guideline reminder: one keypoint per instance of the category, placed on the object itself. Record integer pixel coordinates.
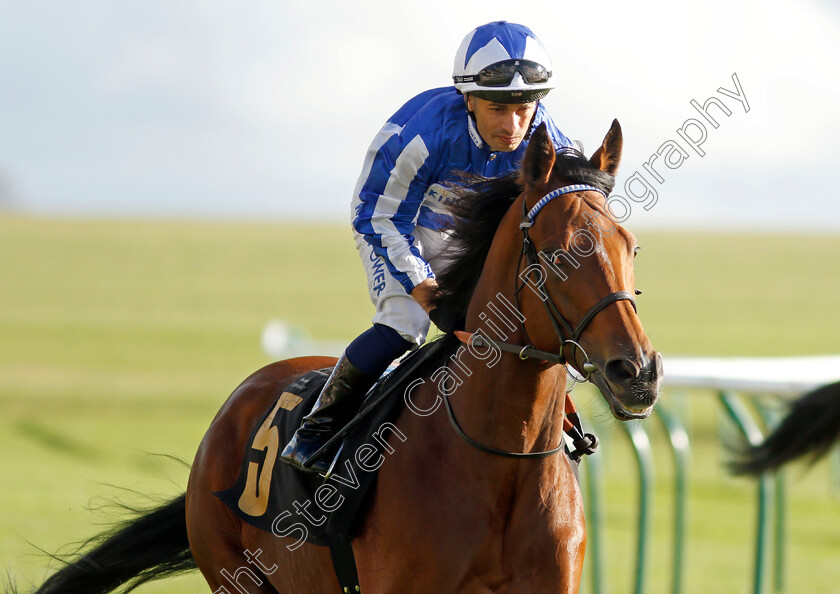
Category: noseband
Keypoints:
(566, 333)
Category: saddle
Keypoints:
(279, 499)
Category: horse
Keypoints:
(488, 503)
(811, 427)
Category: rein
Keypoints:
(585, 443)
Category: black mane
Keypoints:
(573, 166)
(478, 208)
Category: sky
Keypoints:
(264, 109)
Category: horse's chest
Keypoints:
(452, 525)
(492, 533)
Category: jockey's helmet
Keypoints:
(503, 62)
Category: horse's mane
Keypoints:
(478, 208)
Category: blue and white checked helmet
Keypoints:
(503, 62)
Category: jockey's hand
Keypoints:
(424, 293)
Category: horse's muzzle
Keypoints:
(631, 385)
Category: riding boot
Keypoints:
(340, 398)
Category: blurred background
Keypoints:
(206, 109)
(174, 176)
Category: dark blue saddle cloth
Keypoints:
(275, 497)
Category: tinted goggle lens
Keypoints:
(501, 74)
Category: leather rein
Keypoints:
(568, 335)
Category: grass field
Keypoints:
(120, 340)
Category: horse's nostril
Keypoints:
(652, 371)
(620, 370)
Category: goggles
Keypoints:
(501, 74)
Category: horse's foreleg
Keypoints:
(570, 563)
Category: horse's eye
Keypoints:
(636, 250)
(557, 260)
(553, 257)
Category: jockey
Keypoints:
(481, 125)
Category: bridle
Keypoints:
(568, 335)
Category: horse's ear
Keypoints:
(608, 156)
(539, 159)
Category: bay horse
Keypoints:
(446, 516)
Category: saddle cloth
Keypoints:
(275, 497)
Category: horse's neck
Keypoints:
(514, 405)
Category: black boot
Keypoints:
(340, 398)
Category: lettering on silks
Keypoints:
(378, 276)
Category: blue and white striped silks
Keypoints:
(406, 169)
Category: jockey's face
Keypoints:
(502, 125)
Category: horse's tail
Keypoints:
(151, 546)
(811, 427)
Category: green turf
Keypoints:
(119, 341)
(740, 293)
(722, 510)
